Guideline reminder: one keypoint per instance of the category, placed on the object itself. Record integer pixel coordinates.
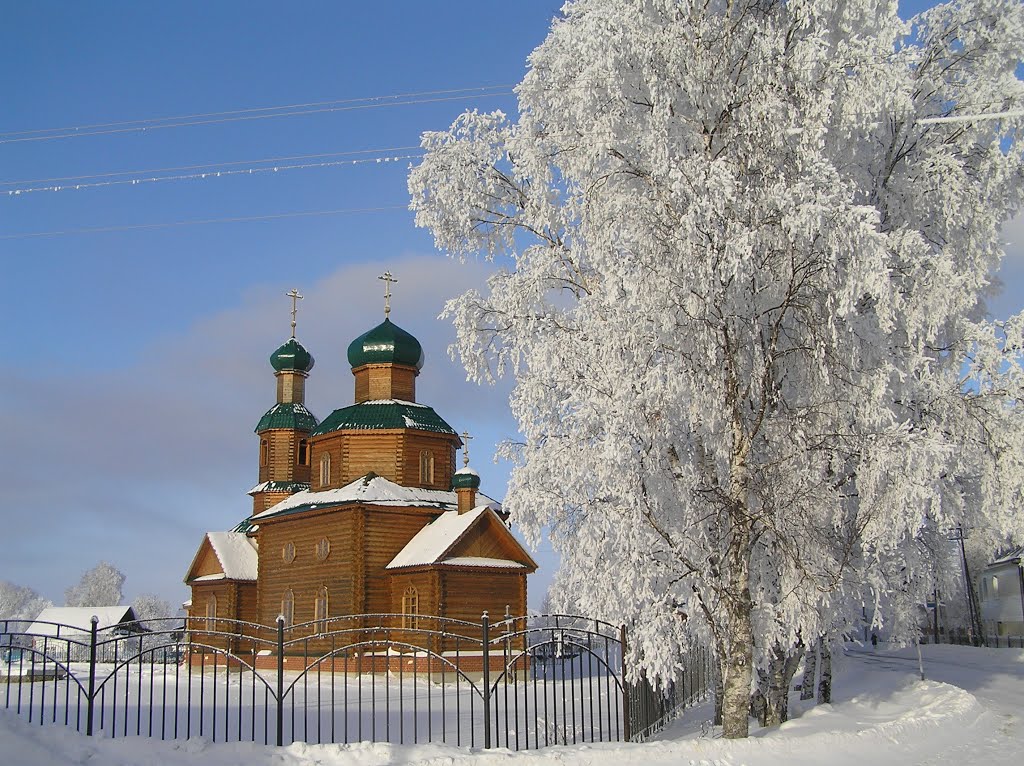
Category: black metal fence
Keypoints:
(963, 637)
(520, 683)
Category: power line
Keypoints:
(240, 118)
(199, 222)
(212, 165)
(211, 174)
(255, 109)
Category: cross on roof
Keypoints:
(294, 295)
(388, 279)
(465, 448)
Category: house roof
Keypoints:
(1011, 557)
(433, 544)
(80, 618)
(367, 490)
(384, 414)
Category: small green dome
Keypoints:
(386, 343)
(465, 478)
(292, 356)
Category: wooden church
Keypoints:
(363, 512)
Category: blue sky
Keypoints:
(135, 364)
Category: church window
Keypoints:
(264, 451)
(426, 467)
(320, 610)
(325, 470)
(410, 608)
(302, 455)
(288, 552)
(995, 587)
(211, 612)
(288, 607)
(323, 549)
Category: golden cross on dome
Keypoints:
(388, 280)
(465, 448)
(294, 295)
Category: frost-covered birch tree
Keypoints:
(745, 247)
(99, 586)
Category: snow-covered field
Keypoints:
(969, 711)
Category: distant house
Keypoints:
(1001, 588)
(59, 627)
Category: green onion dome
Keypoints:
(386, 343)
(465, 478)
(292, 356)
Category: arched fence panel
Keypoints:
(518, 683)
(559, 686)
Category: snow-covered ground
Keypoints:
(970, 710)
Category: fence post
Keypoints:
(280, 680)
(627, 734)
(95, 621)
(486, 655)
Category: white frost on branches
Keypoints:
(753, 376)
(100, 586)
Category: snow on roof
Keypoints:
(80, 618)
(395, 401)
(480, 561)
(1009, 558)
(236, 553)
(431, 542)
(370, 490)
(467, 470)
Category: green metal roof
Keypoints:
(389, 413)
(386, 343)
(465, 478)
(292, 355)
(291, 415)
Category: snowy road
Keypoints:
(968, 711)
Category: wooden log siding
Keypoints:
(392, 453)
(283, 452)
(385, 381)
(306, 574)
(468, 592)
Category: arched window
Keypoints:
(426, 467)
(323, 549)
(264, 451)
(302, 454)
(320, 610)
(995, 587)
(410, 608)
(288, 607)
(325, 470)
(211, 612)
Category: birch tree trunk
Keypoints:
(780, 676)
(825, 684)
(810, 671)
(719, 693)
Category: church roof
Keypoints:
(292, 355)
(291, 415)
(236, 553)
(387, 343)
(434, 542)
(367, 490)
(384, 413)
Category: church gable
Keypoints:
(475, 538)
(224, 556)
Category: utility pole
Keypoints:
(957, 534)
